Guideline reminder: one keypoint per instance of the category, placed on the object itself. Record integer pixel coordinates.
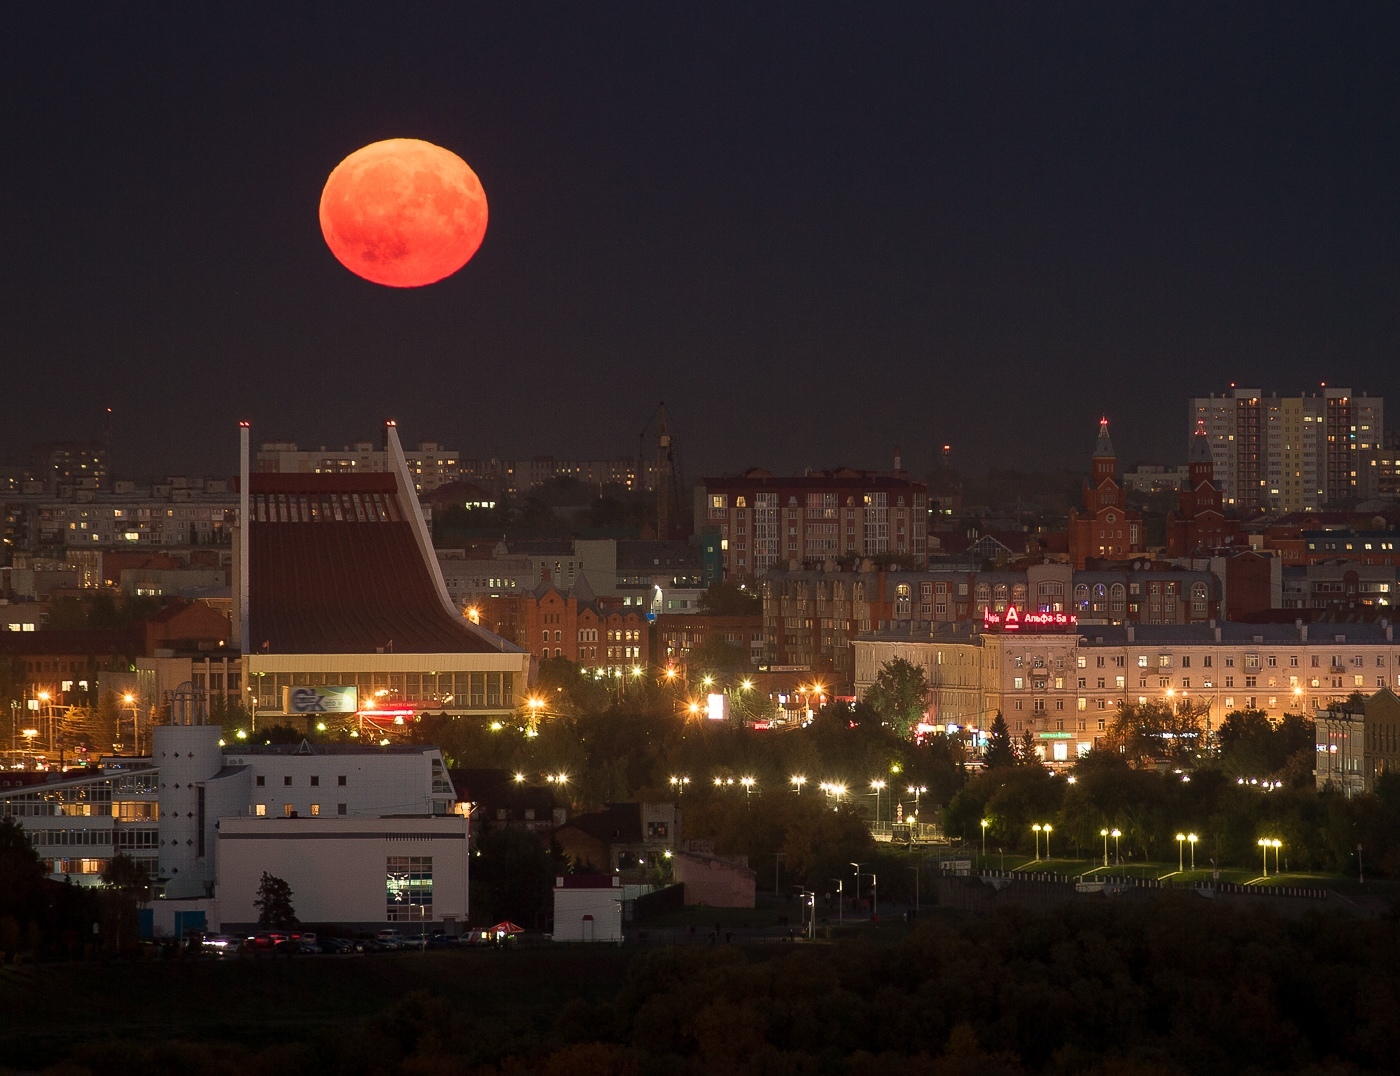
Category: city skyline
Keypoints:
(984, 229)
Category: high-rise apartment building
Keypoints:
(765, 520)
(431, 465)
(1292, 453)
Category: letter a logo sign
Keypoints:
(1013, 621)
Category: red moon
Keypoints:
(403, 212)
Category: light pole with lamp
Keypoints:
(1181, 852)
(679, 783)
(1117, 848)
(1192, 839)
(857, 866)
(1036, 828)
(747, 782)
(1047, 827)
(878, 786)
(1264, 846)
(985, 822)
(1104, 834)
(797, 782)
(840, 899)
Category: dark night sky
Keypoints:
(813, 229)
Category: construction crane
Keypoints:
(668, 471)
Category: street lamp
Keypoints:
(1180, 852)
(1117, 848)
(1036, 827)
(797, 783)
(985, 822)
(1047, 828)
(1104, 834)
(878, 786)
(747, 782)
(1193, 839)
(1264, 846)
(679, 783)
(1276, 844)
(857, 866)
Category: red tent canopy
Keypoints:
(505, 926)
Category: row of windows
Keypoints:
(315, 780)
(259, 810)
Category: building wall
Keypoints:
(571, 906)
(337, 868)
(1065, 689)
(714, 882)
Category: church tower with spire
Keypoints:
(1198, 526)
(1104, 528)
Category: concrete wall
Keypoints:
(571, 906)
(714, 882)
(336, 866)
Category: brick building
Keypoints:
(1199, 525)
(1105, 528)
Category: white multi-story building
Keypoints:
(1065, 686)
(333, 821)
(1292, 453)
(431, 465)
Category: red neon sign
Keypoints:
(1016, 620)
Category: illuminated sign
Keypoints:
(1055, 735)
(320, 699)
(1017, 620)
(717, 707)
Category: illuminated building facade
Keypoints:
(1104, 528)
(336, 583)
(764, 520)
(1293, 453)
(1064, 686)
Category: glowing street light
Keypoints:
(747, 782)
(1117, 848)
(693, 708)
(1180, 852)
(708, 680)
(797, 782)
(1036, 828)
(1104, 834)
(746, 685)
(1193, 839)
(679, 783)
(879, 787)
(985, 823)
(520, 778)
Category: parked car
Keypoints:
(221, 945)
(337, 945)
(440, 939)
(389, 940)
(308, 943)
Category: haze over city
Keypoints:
(925, 226)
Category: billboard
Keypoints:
(320, 699)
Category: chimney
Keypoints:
(898, 460)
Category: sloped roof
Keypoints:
(335, 568)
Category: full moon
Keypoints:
(403, 212)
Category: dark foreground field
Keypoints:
(1170, 985)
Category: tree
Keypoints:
(1025, 749)
(274, 903)
(129, 878)
(731, 597)
(1154, 730)
(514, 876)
(1000, 750)
(719, 655)
(899, 695)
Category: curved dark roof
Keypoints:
(335, 569)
